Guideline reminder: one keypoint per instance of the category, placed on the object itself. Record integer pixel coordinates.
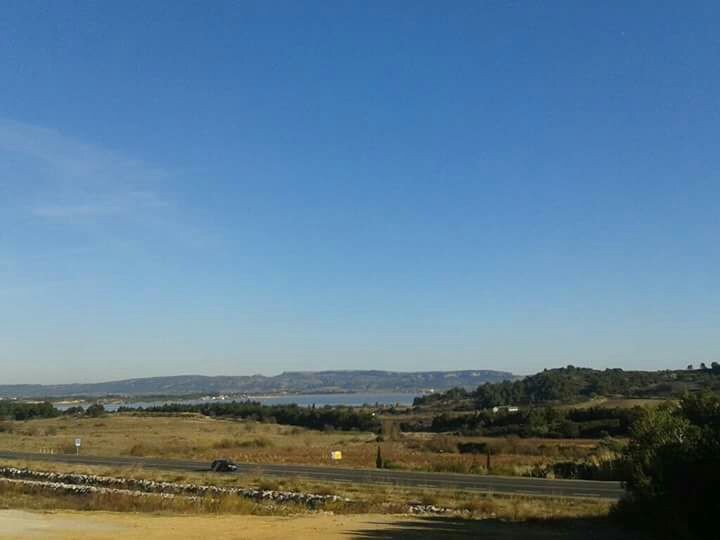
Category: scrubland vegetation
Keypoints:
(672, 465)
(549, 422)
(194, 436)
(574, 385)
(666, 449)
(361, 499)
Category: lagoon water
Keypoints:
(307, 400)
(340, 399)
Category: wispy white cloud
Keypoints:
(67, 207)
(117, 205)
(64, 211)
(59, 194)
(71, 158)
(78, 180)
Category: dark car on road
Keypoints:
(223, 465)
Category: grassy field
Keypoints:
(203, 438)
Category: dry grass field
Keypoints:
(363, 498)
(202, 438)
(373, 513)
(376, 513)
(610, 403)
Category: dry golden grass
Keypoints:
(201, 438)
(180, 437)
(610, 403)
(198, 437)
(364, 500)
(31, 498)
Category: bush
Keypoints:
(27, 411)
(588, 470)
(480, 506)
(138, 450)
(258, 442)
(673, 469)
(441, 445)
(95, 410)
(547, 422)
(472, 448)
(429, 498)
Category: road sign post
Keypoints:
(77, 447)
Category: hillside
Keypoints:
(574, 384)
(287, 382)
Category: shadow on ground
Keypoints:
(450, 528)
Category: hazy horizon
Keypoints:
(255, 188)
(239, 375)
(272, 374)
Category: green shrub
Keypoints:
(672, 464)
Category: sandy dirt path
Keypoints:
(66, 525)
(17, 524)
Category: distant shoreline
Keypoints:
(213, 399)
(339, 399)
(285, 384)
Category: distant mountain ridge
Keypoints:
(294, 382)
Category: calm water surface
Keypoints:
(308, 400)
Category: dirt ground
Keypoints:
(23, 525)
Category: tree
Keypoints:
(673, 469)
(95, 410)
(379, 459)
(690, 367)
(27, 411)
(703, 366)
(569, 429)
(74, 411)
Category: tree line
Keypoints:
(318, 418)
(323, 418)
(572, 384)
(18, 410)
(550, 422)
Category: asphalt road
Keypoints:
(465, 482)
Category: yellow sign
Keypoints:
(336, 455)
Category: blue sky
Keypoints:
(241, 187)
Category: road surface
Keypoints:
(464, 482)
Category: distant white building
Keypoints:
(505, 408)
